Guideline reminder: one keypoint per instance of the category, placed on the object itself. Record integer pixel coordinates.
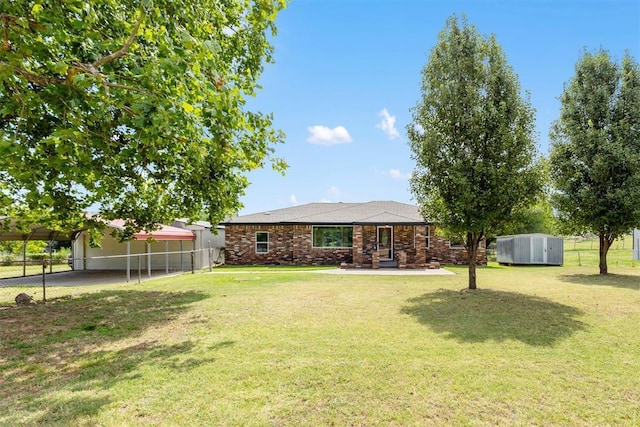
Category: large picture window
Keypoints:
(262, 242)
(332, 237)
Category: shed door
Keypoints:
(385, 243)
(539, 250)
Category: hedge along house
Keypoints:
(370, 235)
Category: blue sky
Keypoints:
(348, 72)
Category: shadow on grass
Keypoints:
(616, 280)
(58, 360)
(488, 315)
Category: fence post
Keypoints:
(128, 261)
(24, 259)
(181, 255)
(139, 272)
(44, 273)
(149, 260)
(193, 256)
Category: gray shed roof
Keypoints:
(378, 212)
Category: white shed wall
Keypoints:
(112, 254)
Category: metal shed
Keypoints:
(636, 244)
(539, 249)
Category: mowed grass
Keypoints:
(257, 347)
(584, 252)
(31, 269)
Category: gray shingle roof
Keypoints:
(378, 212)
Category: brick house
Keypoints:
(370, 235)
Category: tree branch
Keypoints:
(33, 78)
(10, 19)
(87, 68)
(123, 50)
(93, 67)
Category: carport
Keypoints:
(34, 232)
(161, 249)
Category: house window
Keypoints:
(332, 237)
(456, 243)
(428, 236)
(262, 242)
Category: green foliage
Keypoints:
(16, 248)
(137, 107)
(538, 218)
(595, 153)
(472, 138)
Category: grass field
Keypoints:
(287, 347)
(31, 269)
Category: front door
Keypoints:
(385, 243)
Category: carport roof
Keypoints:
(36, 232)
(165, 232)
(41, 232)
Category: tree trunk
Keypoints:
(605, 244)
(472, 251)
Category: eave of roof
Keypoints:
(386, 213)
(165, 232)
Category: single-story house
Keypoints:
(371, 235)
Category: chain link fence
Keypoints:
(47, 279)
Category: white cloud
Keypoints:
(334, 191)
(393, 173)
(396, 174)
(388, 124)
(322, 135)
(418, 128)
(293, 200)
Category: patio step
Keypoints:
(388, 264)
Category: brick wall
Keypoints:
(292, 245)
(288, 245)
(440, 251)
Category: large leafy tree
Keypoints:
(135, 108)
(595, 154)
(472, 138)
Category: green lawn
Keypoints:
(580, 251)
(255, 347)
(31, 269)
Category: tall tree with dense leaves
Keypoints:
(472, 138)
(136, 107)
(595, 152)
